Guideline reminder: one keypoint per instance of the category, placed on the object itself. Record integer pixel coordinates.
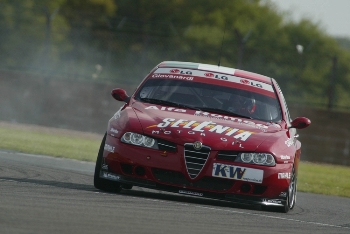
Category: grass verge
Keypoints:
(49, 141)
(312, 178)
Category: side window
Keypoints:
(284, 103)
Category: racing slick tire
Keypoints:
(100, 183)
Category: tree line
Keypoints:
(120, 40)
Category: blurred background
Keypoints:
(59, 59)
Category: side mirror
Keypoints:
(120, 95)
(300, 122)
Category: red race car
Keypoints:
(207, 131)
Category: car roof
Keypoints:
(216, 68)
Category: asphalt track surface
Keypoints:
(40, 194)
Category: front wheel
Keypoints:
(291, 194)
(100, 183)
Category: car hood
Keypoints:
(214, 130)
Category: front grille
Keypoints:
(227, 155)
(166, 145)
(178, 179)
(195, 159)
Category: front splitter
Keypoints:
(236, 198)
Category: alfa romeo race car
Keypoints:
(207, 131)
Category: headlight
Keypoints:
(257, 158)
(136, 139)
(148, 142)
(247, 157)
(140, 140)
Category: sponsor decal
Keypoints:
(274, 125)
(283, 194)
(289, 142)
(113, 130)
(117, 114)
(193, 127)
(167, 72)
(285, 157)
(184, 72)
(243, 81)
(209, 74)
(284, 175)
(110, 176)
(230, 118)
(237, 173)
(274, 201)
(191, 193)
(251, 83)
(109, 148)
(165, 109)
(262, 127)
(215, 76)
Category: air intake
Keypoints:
(195, 159)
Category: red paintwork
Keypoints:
(143, 118)
(253, 76)
(300, 122)
(119, 94)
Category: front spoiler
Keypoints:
(242, 199)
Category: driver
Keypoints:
(241, 103)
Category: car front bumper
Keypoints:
(167, 171)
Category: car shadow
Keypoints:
(58, 184)
(181, 198)
(138, 192)
(149, 194)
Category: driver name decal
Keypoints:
(172, 76)
(194, 127)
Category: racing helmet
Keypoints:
(242, 102)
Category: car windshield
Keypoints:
(210, 98)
